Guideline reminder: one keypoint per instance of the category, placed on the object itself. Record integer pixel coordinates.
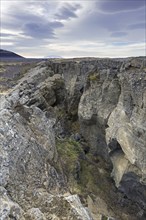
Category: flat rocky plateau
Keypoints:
(73, 139)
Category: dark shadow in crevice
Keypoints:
(114, 145)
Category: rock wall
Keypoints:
(95, 109)
(112, 113)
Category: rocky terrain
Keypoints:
(73, 141)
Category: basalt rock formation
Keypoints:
(73, 141)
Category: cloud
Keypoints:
(56, 24)
(137, 26)
(74, 28)
(7, 43)
(30, 23)
(41, 30)
(96, 25)
(7, 35)
(114, 6)
(119, 34)
(68, 11)
(30, 43)
(38, 30)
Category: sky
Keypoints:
(85, 28)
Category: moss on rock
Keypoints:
(86, 174)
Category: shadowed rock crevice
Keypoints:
(114, 145)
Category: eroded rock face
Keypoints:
(28, 152)
(127, 121)
(8, 208)
(113, 105)
(30, 144)
(95, 109)
(100, 97)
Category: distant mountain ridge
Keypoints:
(9, 54)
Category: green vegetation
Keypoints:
(93, 77)
(60, 113)
(104, 218)
(2, 69)
(69, 152)
(75, 126)
(85, 173)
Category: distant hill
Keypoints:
(9, 54)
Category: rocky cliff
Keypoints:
(73, 141)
